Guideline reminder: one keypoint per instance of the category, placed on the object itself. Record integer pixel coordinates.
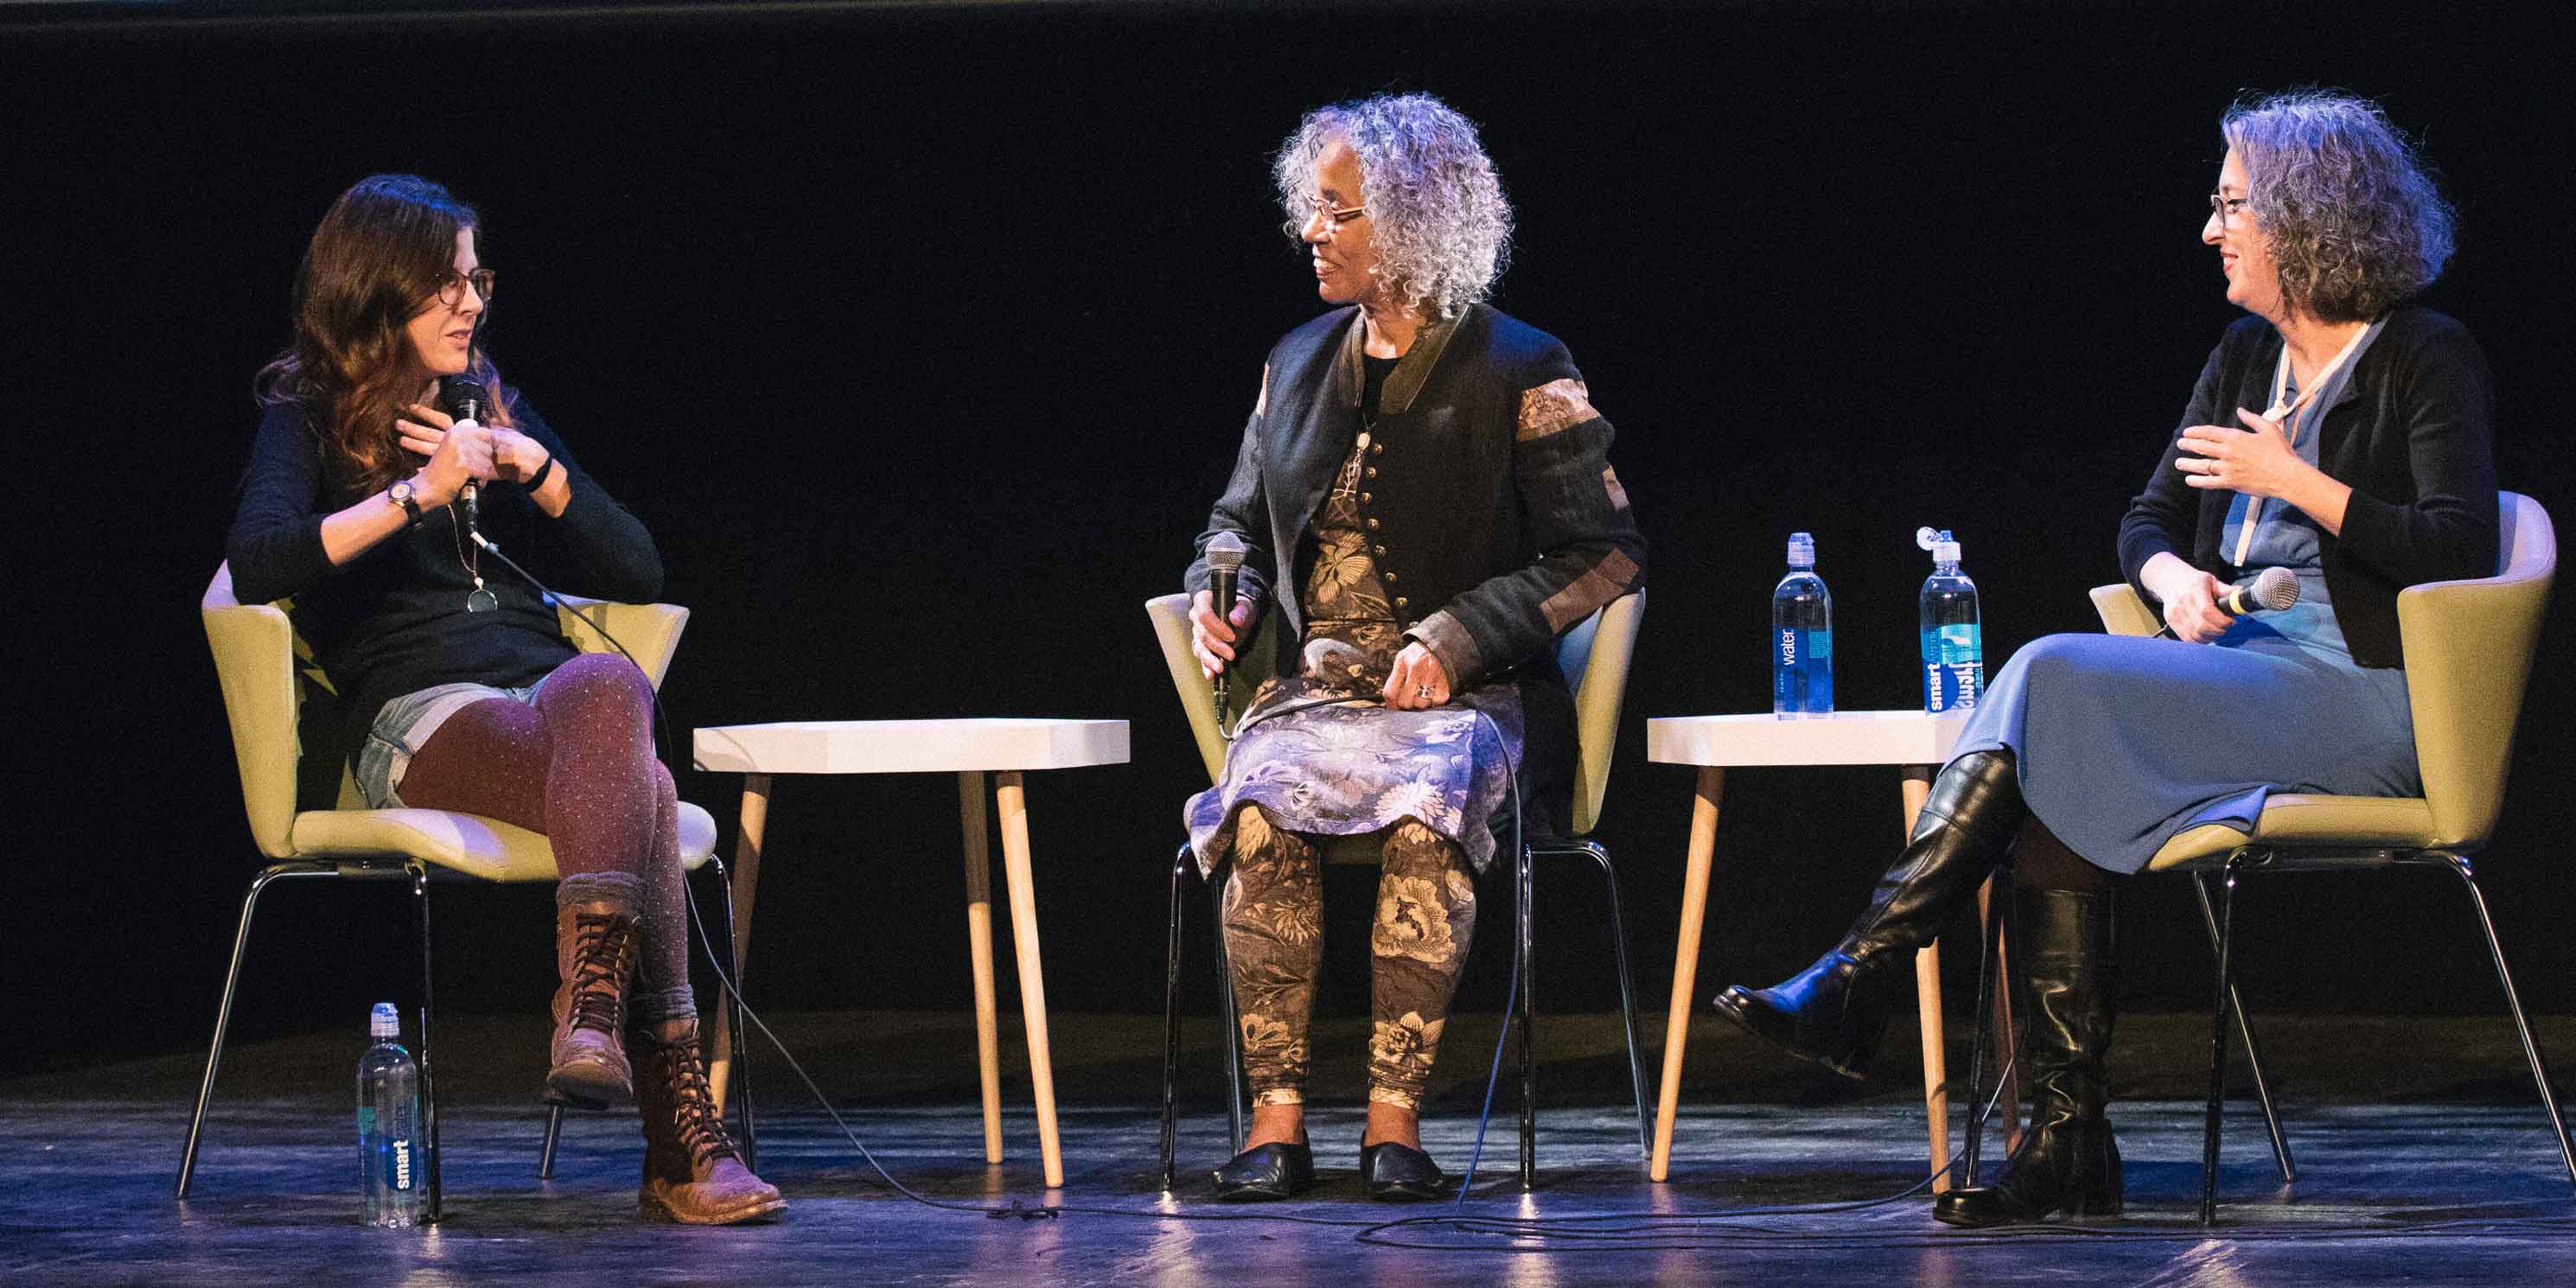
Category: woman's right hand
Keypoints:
(455, 456)
(2190, 597)
(1212, 638)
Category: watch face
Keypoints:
(400, 491)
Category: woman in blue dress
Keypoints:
(2367, 468)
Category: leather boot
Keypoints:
(691, 1173)
(595, 954)
(2068, 1164)
(1835, 1011)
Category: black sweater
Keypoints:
(393, 620)
(2410, 436)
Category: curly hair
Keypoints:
(2355, 223)
(1443, 230)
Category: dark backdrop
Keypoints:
(921, 338)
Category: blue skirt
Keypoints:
(2123, 742)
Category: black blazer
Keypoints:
(2410, 435)
(1493, 515)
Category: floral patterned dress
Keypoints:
(1344, 770)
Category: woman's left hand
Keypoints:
(516, 458)
(1418, 682)
(2257, 460)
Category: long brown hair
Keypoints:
(382, 253)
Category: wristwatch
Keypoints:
(399, 492)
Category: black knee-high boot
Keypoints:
(2068, 1163)
(1835, 1011)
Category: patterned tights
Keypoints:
(577, 764)
(1274, 943)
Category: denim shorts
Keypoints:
(404, 725)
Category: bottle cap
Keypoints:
(1802, 550)
(1938, 541)
(384, 1021)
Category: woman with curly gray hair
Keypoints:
(2369, 469)
(1424, 494)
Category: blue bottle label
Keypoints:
(1954, 668)
(1802, 671)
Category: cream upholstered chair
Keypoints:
(1593, 657)
(306, 816)
(2469, 646)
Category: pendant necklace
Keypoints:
(478, 600)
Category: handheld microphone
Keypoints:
(2268, 591)
(463, 400)
(1225, 553)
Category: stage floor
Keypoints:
(2449, 1180)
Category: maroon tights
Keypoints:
(577, 764)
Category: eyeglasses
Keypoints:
(1333, 216)
(452, 292)
(2226, 208)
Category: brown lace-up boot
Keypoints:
(595, 952)
(691, 1173)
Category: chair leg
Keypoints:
(1522, 921)
(1233, 1023)
(2521, 1023)
(1172, 1019)
(428, 1088)
(2218, 1041)
(554, 1136)
(2253, 1052)
(224, 1009)
(1627, 998)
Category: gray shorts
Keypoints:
(404, 725)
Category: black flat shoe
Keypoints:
(1266, 1172)
(1400, 1173)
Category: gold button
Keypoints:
(1364, 498)
(1372, 471)
(1377, 449)
(1401, 601)
(1390, 579)
(1372, 523)
(1377, 550)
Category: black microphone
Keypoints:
(463, 400)
(1225, 563)
(2268, 591)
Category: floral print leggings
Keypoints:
(1274, 943)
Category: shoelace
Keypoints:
(600, 948)
(694, 1106)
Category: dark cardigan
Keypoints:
(1492, 512)
(393, 620)
(2410, 436)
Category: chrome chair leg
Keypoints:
(2253, 1052)
(2521, 1023)
(554, 1135)
(428, 1088)
(738, 1088)
(1627, 996)
(1990, 976)
(224, 1009)
(2218, 1040)
(1522, 919)
(1172, 1020)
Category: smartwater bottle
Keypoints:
(1954, 653)
(389, 1152)
(1802, 637)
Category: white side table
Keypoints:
(969, 749)
(1916, 742)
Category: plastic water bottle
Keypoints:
(1802, 637)
(389, 1150)
(1954, 652)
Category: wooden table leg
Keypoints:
(1024, 943)
(979, 951)
(746, 882)
(1927, 1006)
(1703, 844)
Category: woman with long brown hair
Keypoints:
(457, 691)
